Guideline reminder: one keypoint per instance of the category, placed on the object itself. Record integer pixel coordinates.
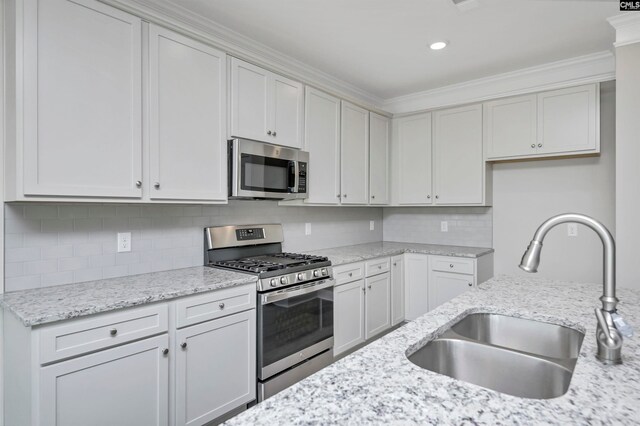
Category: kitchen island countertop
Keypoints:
(379, 385)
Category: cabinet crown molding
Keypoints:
(627, 26)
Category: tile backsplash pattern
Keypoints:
(468, 226)
(55, 244)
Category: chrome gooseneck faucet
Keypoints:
(608, 336)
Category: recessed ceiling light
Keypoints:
(438, 45)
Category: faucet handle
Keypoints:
(621, 325)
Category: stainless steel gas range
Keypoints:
(294, 306)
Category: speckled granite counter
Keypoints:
(357, 253)
(40, 306)
(378, 385)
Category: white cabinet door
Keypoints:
(348, 311)
(416, 276)
(377, 304)
(510, 127)
(458, 158)
(568, 120)
(286, 105)
(413, 165)
(127, 385)
(397, 289)
(378, 159)
(215, 367)
(250, 93)
(322, 140)
(355, 154)
(82, 100)
(444, 286)
(187, 102)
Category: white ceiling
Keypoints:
(381, 46)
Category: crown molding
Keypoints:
(200, 28)
(586, 69)
(627, 26)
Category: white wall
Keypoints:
(628, 164)
(527, 193)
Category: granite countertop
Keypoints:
(49, 304)
(360, 252)
(379, 385)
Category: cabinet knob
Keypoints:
(221, 305)
(183, 345)
(379, 266)
(373, 197)
(274, 133)
(344, 195)
(451, 265)
(369, 287)
(139, 183)
(428, 197)
(113, 331)
(394, 264)
(364, 289)
(338, 196)
(437, 197)
(350, 274)
(470, 285)
(156, 185)
(269, 132)
(533, 145)
(165, 351)
(539, 145)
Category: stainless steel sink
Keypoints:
(525, 335)
(519, 357)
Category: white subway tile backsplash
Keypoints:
(40, 267)
(22, 254)
(73, 263)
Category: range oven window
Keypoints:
(291, 325)
(266, 174)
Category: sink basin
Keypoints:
(519, 357)
(525, 335)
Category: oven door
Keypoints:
(294, 324)
(260, 170)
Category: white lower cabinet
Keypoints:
(377, 304)
(397, 289)
(416, 296)
(126, 385)
(215, 367)
(444, 286)
(348, 316)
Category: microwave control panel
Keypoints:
(302, 177)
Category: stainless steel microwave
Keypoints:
(259, 170)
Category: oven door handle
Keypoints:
(295, 291)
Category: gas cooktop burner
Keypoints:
(273, 262)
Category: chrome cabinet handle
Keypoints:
(139, 183)
(533, 145)
(373, 197)
(369, 287)
(428, 197)
(539, 145)
(437, 197)
(274, 133)
(350, 274)
(156, 185)
(183, 345)
(344, 195)
(269, 132)
(221, 305)
(451, 265)
(470, 285)
(113, 331)
(338, 195)
(165, 351)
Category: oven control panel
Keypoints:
(250, 234)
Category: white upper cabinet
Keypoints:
(82, 100)
(458, 158)
(555, 123)
(378, 159)
(265, 106)
(510, 126)
(412, 160)
(355, 154)
(568, 120)
(187, 118)
(322, 140)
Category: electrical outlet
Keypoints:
(307, 229)
(572, 229)
(444, 226)
(124, 241)
(372, 225)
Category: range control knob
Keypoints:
(316, 273)
(283, 280)
(324, 271)
(300, 276)
(273, 282)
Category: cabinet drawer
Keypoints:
(377, 266)
(80, 336)
(458, 265)
(216, 304)
(348, 273)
